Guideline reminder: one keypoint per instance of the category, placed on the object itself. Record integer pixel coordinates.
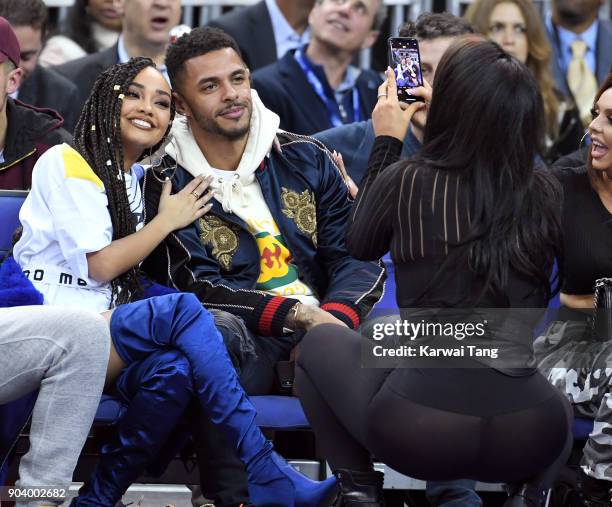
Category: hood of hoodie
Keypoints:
(183, 148)
(27, 125)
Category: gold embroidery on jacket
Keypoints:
(222, 237)
(302, 209)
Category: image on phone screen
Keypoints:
(405, 60)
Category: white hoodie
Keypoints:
(239, 193)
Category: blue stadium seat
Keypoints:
(10, 204)
(582, 428)
(273, 412)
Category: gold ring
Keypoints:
(381, 95)
(195, 194)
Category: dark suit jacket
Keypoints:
(603, 54)
(252, 29)
(45, 88)
(84, 71)
(284, 89)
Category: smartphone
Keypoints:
(405, 60)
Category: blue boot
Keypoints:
(275, 483)
(180, 321)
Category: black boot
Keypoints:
(525, 495)
(592, 492)
(359, 489)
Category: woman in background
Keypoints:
(91, 26)
(516, 26)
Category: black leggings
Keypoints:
(358, 412)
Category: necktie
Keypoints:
(581, 81)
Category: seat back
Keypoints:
(10, 204)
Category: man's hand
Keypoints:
(308, 316)
(392, 117)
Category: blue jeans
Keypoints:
(459, 493)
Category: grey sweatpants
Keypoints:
(64, 353)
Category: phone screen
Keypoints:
(405, 60)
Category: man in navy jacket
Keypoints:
(270, 253)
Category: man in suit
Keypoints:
(315, 87)
(267, 30)
(146, 26)
(40, 87)
(580, 40)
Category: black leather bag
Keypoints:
(602, 318)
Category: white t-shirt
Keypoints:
(278, 274)
(64, 218)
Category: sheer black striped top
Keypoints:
(416, 213)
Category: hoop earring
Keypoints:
(586, 133)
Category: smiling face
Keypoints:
(215, 94)
(145, 112)
(150, 21)
(600, 130)
(344, 24)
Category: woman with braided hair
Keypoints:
(82, 243)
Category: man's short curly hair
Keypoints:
(430, 25)
(198, 42)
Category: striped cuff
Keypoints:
(270, 315)
(347, 313)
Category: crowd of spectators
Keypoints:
(256, 173)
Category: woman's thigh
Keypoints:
(330, 356)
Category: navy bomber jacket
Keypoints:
(221, 264)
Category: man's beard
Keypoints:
(571, 15)
(212, 126)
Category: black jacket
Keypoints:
(46, 88)
(218, 259)
(252, 29)
(84, 71)
(284, 88)
(30, 133)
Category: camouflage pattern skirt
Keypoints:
(581, 368)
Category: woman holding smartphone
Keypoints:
(471, 227)
(83, 240)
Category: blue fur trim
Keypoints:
(15, 288)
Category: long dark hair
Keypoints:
(486, 123)
(79, 28)
(97, 137)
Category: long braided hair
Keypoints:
(97, 137)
